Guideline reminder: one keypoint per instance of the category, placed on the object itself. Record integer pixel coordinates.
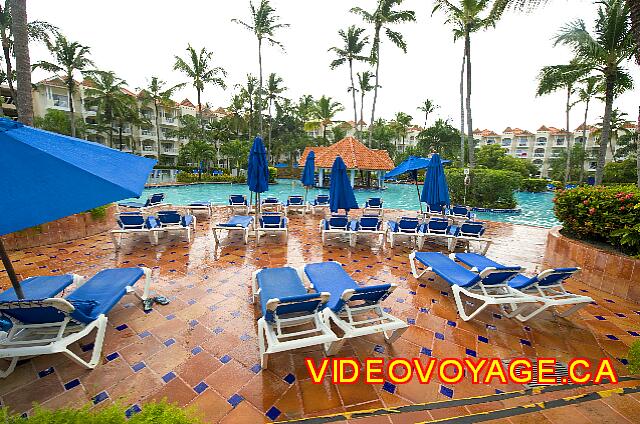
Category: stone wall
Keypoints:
(608, 271)
(64, 229)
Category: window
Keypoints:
(521, 153)
(506, 142)
(490, 141)
(541, 141)
(560, 141)
(580, 140)
(523, 142)
(60, 100)
(593, 165)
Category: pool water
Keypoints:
(537, 208)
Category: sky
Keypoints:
(139, 39)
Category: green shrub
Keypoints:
(156, 413)
(98, 213)
(534, 185)
(273, 174)
(634, 357)
(607, 214)
(488, 188)
(188, 177)
(621, 172)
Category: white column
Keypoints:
(353, 177)
(321, 176)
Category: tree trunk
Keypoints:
(634, 9)
(606, 125)
(584, 138)
(375, 89)
(72, 115)
(260, 86)
(638, 147)
(7, 60)
(200, 108)
(23, 62)
(155, 102)
(567, 168)
(353, 95)
(361, 112)
(470, 140)
(120, 138)
(464, 56)
(269, 156)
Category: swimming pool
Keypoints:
(537, 208)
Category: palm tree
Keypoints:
(23, 63)
(104, 91)
(36, 31)
(351, 50)
(156, 94)
(364, 86)
(562, 77)
(306, 106)
(274, 89)
(69, 57)
(618, 123)
(325, 110)
(248, 92)
(264, 23)
(604, 53)
(197, 151)
(428, 106)
(197, 66)
(382, 18)
(585, 94)
(466, 20)
(401, 124)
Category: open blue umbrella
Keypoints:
(341, 194)
(410, 165)
(308, 177)
(435, 191)
(258, 170)
(47, 176)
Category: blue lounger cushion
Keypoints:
(200, 204)
(447, 269)
(237, 199)
(336, 222)
(40, 287)
(133, 204)
(174, 218)
(237, 221)
(332, 278)
(284, 284)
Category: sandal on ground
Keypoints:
(161, 300)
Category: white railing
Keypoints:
(538, 155)
(148, 149)
(170, 151)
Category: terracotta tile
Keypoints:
(319, 397)
(229, 378)
(211, 405)
(38, 391)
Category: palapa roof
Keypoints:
(354, 154)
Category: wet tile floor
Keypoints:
(202, 350)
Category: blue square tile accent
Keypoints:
(201, 387)
(422, 285)
(498, 391)
(424, 310)
(491, 327)
(168, 376)
(122, 327)
(169, 342)
(138, 366)
(411, 321)
(273, 413)
(471, 352)
(388, 310)
(378, 348)
(191, 302)
(527, 328)
(483, 339)
(623, 361)
(245, 337)
(634, 333)
(389, 387)
(439, 336)
(497, 316)
(425, 351)
(193, 322)
(225, 359)
(411, 292)
(400, 300)
(110, 357)
(87, 347)
(144, 334)
(600, 318)
(451, 323)
(235, 314)
(448, 392)
(235, 400)
(71, 384)
(132, 410)
(256, 368)
(196, 350)
(621, 315)
(289, 378)
(525, 342)
(46, 372)
(170, 317)
(100, 397)
(612, 337)
(218, 330)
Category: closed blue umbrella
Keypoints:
(341, 194)
(435, 191)
(258, 169)
(308, 177)
(47, 176)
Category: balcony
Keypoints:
(148, 149)
(166, 136)
(538, 155)
(169, 120)
(171, 152)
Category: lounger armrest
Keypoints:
(58, 303)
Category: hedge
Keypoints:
(273, 174)
(534, 185)
(605, 214)
(488, 188)
(187, 177)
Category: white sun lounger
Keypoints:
(240, 223)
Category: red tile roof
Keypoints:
(187, 103)
(543, 129)
(507, 130)
(355, 155)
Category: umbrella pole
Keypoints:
(418, 190)
(10, 271)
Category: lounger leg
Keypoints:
(10, 368)
(420, 242)
(395, 335)
(147, 283)
(573, 309)
(353, 239)
(264, 356)
(115, 240)
(333, 348)
(460, 304)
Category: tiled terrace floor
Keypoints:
(202, 350)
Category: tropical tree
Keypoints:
(364, 86)
(264, 23)
(306, 107)
(236, 108)
(427, 107)
(351, 51)
(274, 90)
(604, 52)
(236, 151)
(157, 94)
(57, 121)
(383, 18)
(104, 92)
(36, 31)
(585, 92)
(619, 126)
(325, 110)
(562, 77)
(197, 152)
(198, 67)
(69, 57)
(248, 93)
(401, 124)
(441, 137)
(466, 19)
